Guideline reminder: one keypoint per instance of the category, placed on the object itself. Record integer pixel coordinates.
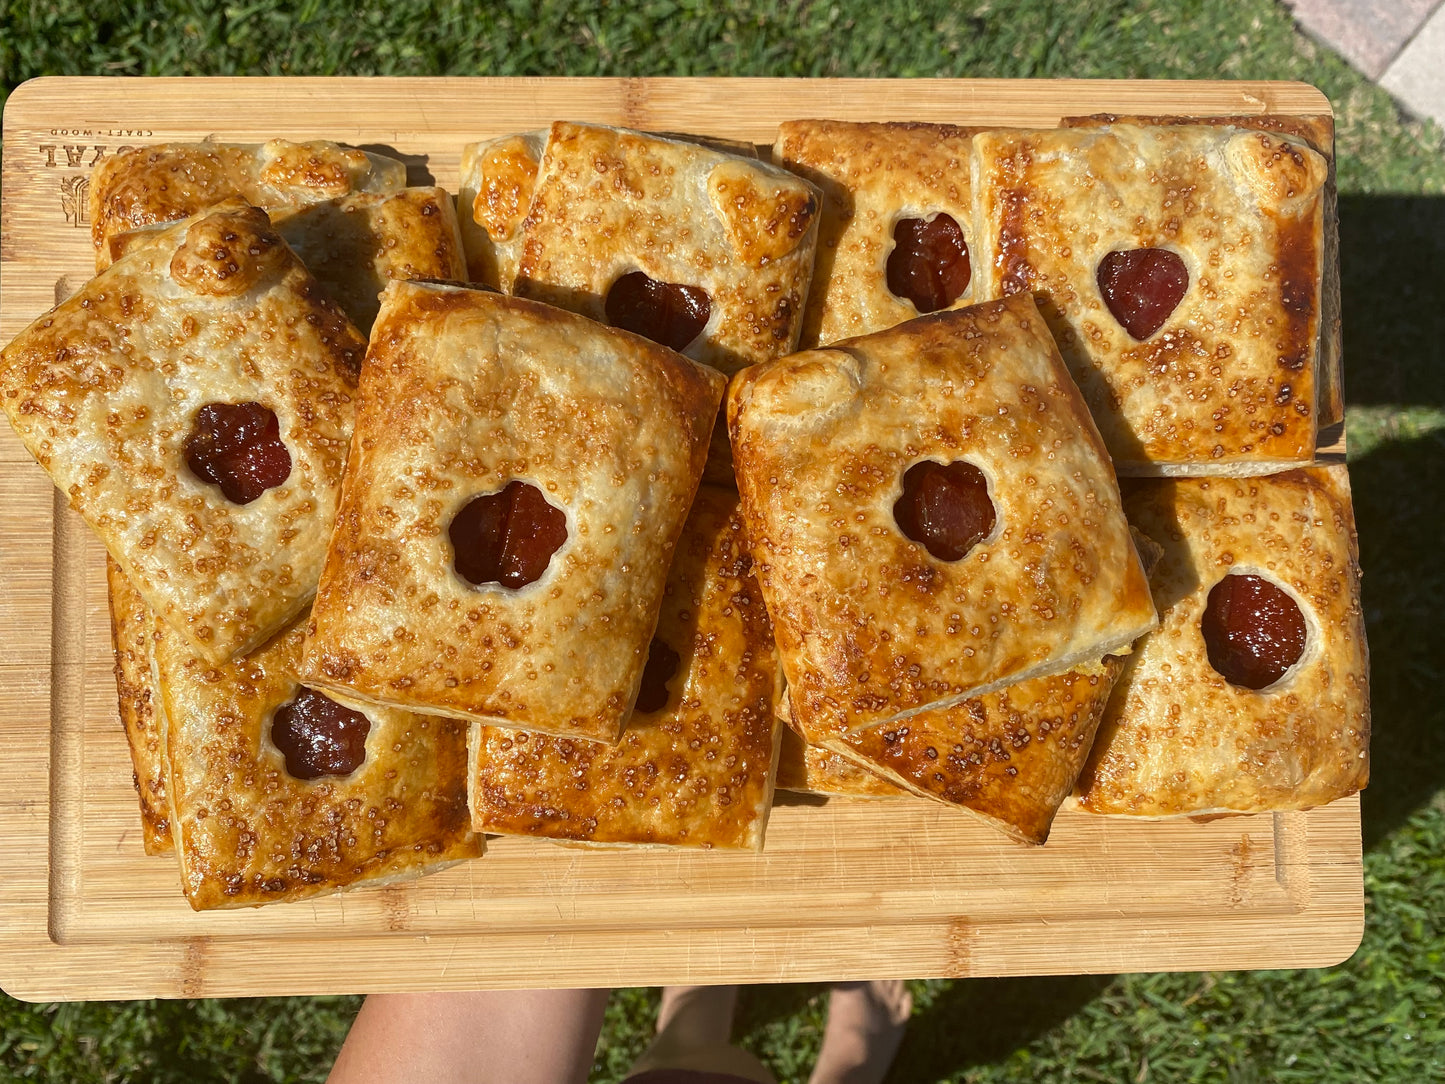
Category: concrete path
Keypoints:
(1398, 43)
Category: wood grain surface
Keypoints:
(844, 889)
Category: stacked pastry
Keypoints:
(708, 252)
(486, 512)
(1183, 269)
(553, 598)
(195, 400)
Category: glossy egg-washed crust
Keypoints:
(1319, 132)
(697, 772)
(104, 390)
(872, 175)
(494, 194)
(1178, 738)
(869, 625)
(249, 832)
(1010, 757)
(603, 202)
(464, 391)
(169, 181)
(132, 631)
(1228, 385)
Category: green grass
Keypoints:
(1376, 1017)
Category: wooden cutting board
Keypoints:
(845, 889)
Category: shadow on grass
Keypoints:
(1392, 290)
(1399, 496)
(1392, 266)
(982, 1021)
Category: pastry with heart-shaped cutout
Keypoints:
(1181, 268)
(704, 251)
(894, 237)
(873, 626)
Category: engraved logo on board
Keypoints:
(73, 191)
(75, 187)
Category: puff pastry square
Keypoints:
(1318, 132)
(872, 176)
(566, 220)
(696, 771)
(1178, 737)
(870, 625)
(250, 832)
(1228, 383)
(105, 389)
(463, 393)
(132, 630)
(169, 181)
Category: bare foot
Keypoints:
(865, 1025)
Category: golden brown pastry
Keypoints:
(694, 767)
(702, 251)
(169, 181)
(896, 217)
(498, 177)
(356, 244)
(1318, 132)
(194, 402)
(933, 516)
(1009, 757)
(1180, 269)
(132, 631)
(517, 484)
(1253, 694)
(278, 793)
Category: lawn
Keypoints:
(1378, 1017)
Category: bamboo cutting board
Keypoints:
(845, 889)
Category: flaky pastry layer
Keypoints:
(871, 175)
(248, 832)
(564, 219)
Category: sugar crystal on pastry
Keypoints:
(164, 182)
(896, 218)
(354, 244)
(278, 792)
(517, 483)
(133, 630)
(871, 623)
